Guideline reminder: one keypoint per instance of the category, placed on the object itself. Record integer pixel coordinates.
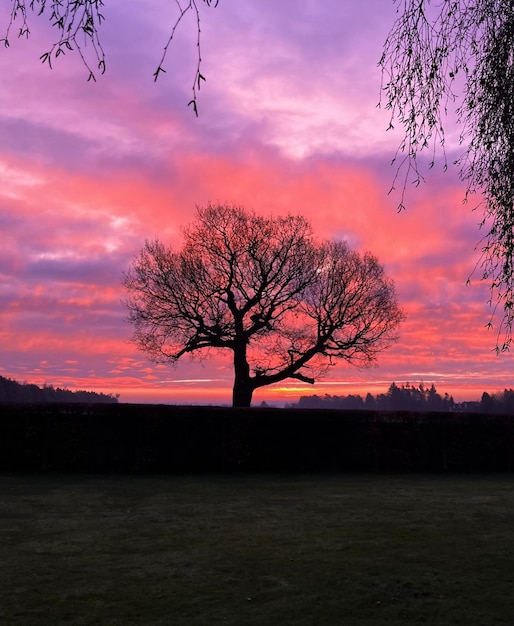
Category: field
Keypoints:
(256, 550)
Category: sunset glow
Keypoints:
(287, 122)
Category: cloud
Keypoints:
(287, 124)
(313, 86)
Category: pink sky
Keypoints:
(288, 123)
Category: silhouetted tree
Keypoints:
(264, 289)
(486, 403)
(370, 402)
(508, 401)
(431, 55)
(394, 399)
(499, 402)
(461, 53)
(449, 403)
(310, 402)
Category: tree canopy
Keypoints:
(285, 304)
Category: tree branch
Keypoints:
(303, 378)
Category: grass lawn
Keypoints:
(256, 550)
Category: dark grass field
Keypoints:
(247, 550)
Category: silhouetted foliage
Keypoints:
(499, 402)
(461, 55)
(12, 391)
(263, 288)
(398, 398)
(77, 26)
(414, 399)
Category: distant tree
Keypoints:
(461, 53)
(394, 398)
(486, 403)
(353, 402)
(449, 403)
(311, 402)
(499, 402)
(410, 398)
(508, 401)
(370, 402)
(433, 400)
(262, 288)
(12, 391)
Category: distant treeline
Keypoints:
(12, 391)
(410, 398)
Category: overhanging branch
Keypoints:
(303, 378)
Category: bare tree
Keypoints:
(453, 53)
(460, 54)
(456, 53)
(284, 304)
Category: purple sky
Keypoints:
(288, 123)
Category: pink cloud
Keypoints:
(288, 124)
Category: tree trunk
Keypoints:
(241, 394)
(243, 388)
